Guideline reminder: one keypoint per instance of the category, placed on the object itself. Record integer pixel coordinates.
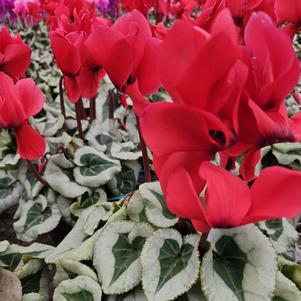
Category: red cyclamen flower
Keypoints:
(14, 54)
(18, 102)
(228, 201)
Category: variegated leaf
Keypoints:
(12, 257)
(61, 180)
(155, 206)
(281, 233)
(240, 266)
(94, 168)
(117, 255)
(81, 288)
(285, 289)
(36, 218)
(69, 269)
(170, 264)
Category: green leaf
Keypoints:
(83, 295)
(94, 168)
(31, 283)
(229, 263)
(285, 289)
(173, 260)
(291, 270)
(281, 233)
(241, 266)
(86, 200)
(125, 254)
(117, 255)
(36, 215)
(170, 264)
(69, 269)
(155, 206)
(81, 288)
(61, 182)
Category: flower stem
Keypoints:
(203, 244)
(147, 171)
(62, 102)
(111, 105)
(36, 174)
(82, 109)
(78, 120)
(92, 112)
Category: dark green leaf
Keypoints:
(172, 260)
(126, 180)
(31, 283)
(83, 295)
(36, 215)
(229, 263)
(125, 254)
(277, 226)
(161, 199)
(94, 165)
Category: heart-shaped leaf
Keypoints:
(241, 266)
(94, 168)
(81, 288)
(170, 264)
(117, 255)
(155, 207)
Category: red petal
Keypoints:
(139, 101)
(276, 193)
(31, 96)
(16, 60)
(288, 11)
(177, 50)
(183, 200)
(205, 87)
(148, 72)
(228, 198)
(66, 54)
(107, 44)
(169, 127)
(276, 68)
(12, 111)
(134, 26)
(248, 165)
(73, 89)
(31, 145)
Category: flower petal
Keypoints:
(31, 145)
(228, 198)
(276, 193)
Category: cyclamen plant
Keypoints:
(201, 215)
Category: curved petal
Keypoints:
(31, 145)
(169, 127)
(31, 96)
(106, 44)
(228, 198)
(66, 54)
(275, 65)
(139, 101)
(182, 199)
(148, 75)
(16, 60)
(276, 193)
(12, 110)
(176, 52)
(134, 26)
(73, 89)
(288, 11)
